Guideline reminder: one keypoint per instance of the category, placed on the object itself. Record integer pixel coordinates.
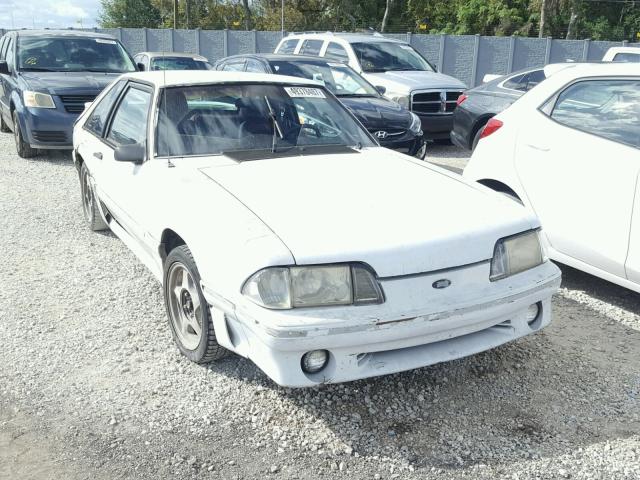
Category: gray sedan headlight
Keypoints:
(313, 286)
(416, 124)
(516, 254)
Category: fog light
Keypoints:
(314, 361)
(532, 313)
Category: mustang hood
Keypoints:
(375, 206)
(410, 81)
(63, 82)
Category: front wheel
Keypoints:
(187, 309)
(4, 128)
(23, 149)
(90, 202)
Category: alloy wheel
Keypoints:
(185, 310)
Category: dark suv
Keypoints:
(47, 76)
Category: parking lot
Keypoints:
(92, 385)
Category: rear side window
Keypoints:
(129, 122)
(526, 81)
(311, 47)
(98, 118)
(254, 66)
(3, 43)
(335, 51)
(288, 46)
(9, 54)
(627, 57)
(606, 108)
(233, 67)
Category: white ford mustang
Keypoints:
(281, 231)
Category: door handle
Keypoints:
(98, 155)
(538, 147)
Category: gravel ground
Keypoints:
(91, 385)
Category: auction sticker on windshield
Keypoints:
(304, 92)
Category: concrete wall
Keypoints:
(466, 57)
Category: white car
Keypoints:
(281, 231)
(622, 54)
(569, 150)
(400, 72)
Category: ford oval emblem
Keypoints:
(442, 283)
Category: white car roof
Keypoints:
(348, 37)
(581, 70)
(168, 78)
(195, 56)
(614, 50)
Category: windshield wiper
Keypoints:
(37, 69)
(276, 126)
(355, 95)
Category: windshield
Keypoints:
(389, 56)
(337, 77)
(216, 119)
(179, 63)
(72, 54)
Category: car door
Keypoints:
(579, 170)
(124, 186)
(7, 82)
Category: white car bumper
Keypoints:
(417, 325)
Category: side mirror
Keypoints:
(381, 90)
(140, 66)
(130, 153)
(4, 68)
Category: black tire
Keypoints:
(204, 348)
(4, 128)
(90, 202)
(23, 149)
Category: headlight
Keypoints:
(315, 286)
(516, 254)
(402, 99)
(416, 124)
(38, 100)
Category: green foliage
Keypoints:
(596, 19)
(129, 13)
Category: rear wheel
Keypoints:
(23, 149)
(90, 202)
(187, 309)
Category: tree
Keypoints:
(385, 18)
(129, 13)
(543, 16)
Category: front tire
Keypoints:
(23, 149)
(90, 202)
(4, 128)
(188, 312)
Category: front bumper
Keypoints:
(46, 128)
(417, 325)
(409, 144)
(436, 126)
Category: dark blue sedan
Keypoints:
(47, 76)
(392, 125)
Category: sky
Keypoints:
(48, 13)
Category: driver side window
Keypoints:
(129, 122)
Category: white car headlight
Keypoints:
(38, 100)
(314, 286)
(402, 99)
(516, 254)
(416, 124)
